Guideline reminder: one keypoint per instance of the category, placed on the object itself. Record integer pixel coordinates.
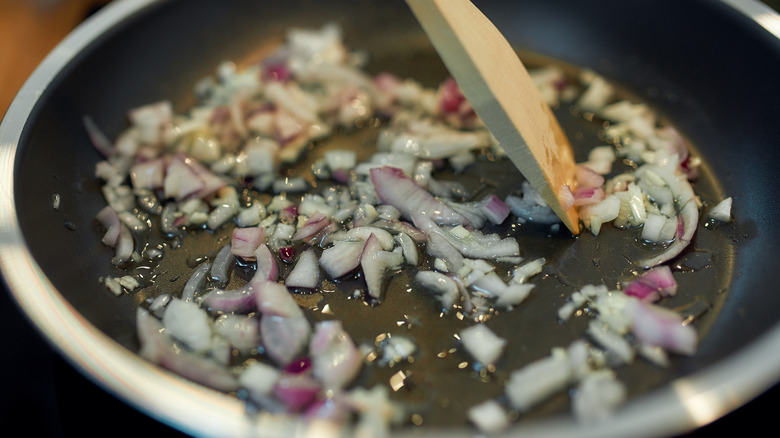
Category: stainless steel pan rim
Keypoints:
(683, 405)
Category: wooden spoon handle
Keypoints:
(494, 80)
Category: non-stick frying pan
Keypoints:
(705, 66)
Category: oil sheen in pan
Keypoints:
(442, 382)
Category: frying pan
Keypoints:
(704, 65)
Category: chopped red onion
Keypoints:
(443, 286)
(196, 282)
(259, 377)
(287, 254)
(450, 96)
(342, 258)
(653, 284)
(241, 331)
(537, 381)
(489, 417)
(332, 409)
(494, 209)
(284, 337)
(399, 226)
(298, 366)
(395, 188)
(276, 72)
(283, 326)
(158, 347)
(220, 268)
(482, 344)
(611, 341)
(124, 247)
(440, 248)
(181, 180)
(240, 300)
(687, 222)
(306, 273)
(721, 211)
(659, 326)
(409, 248)
(187, 322)
(384, 238)
(588, 196)
(110, 221)
(245, 241)
(597, 396)
(475, 245)
(148, 175)
(312, 227)
(296, 391)
(335, 358)
(169, 220)
(98, 138)
(211, 182)
(372, 267)
(587, 177)
(267, 267)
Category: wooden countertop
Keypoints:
(29, 30)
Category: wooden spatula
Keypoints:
(494, 80)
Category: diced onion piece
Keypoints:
(296, 391)
(157, 347)
(482, 344)
(342, 258)
(259, 377)
(187, 322)
(148, 175)
(306, 273)
(537, 381)
(372, 266)
(722, 211)
(220, 268)
(653, 284)
(488, 416)
(597, 396)
(241, 331)
(528, 270)
(588, 196)
(267, 267)
(658, 326)
(196, 282)
(335, 358)
(687, 222)
(310, 230)
(494, 209)
(514, 294)
(283, 326)
(233, 300)
(395, 188)
(445, 287)
(611, 341)
(110, 220)
(245, 241)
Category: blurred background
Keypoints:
(40, 391)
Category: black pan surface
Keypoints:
(714, 85)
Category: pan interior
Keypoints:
(724, 271)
